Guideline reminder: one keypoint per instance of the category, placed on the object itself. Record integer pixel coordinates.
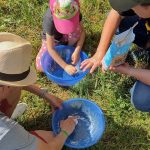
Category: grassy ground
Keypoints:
(127, 129)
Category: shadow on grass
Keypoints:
(42, 122)
(123, 88)
(116, 137)
(119, 137)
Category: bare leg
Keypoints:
(49, 141)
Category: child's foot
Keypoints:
(19, 110)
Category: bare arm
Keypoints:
(81, 40)
(110, 27)
(53, 100)
(142, 75)
(50, 45)
(76, 53)
(57, 142)
(52, 51)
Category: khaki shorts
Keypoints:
(15, 137)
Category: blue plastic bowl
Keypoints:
(91, 124)
(55, 73)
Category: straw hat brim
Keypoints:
(29, 80)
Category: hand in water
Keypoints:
(55, 102)
(70, 69)
(69, 124)
(75, 57)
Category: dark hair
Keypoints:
(145, 4)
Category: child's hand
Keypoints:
(70, 69)
(75, 57)
(69, 124)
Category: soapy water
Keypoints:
(59, 72)
(84, 128)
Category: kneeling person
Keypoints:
(16, 74)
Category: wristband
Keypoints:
(65, 132)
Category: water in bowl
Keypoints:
(58, 71)
(85, 128)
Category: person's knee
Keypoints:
(140, 96)
(142, 105)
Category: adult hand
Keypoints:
(75, 57)
(69, 124)
(70, 69)
(55, 102)
(123, 69)
(91, 63)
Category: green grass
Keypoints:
(127, 129)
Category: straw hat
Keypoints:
(15, 61)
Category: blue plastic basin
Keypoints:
(91, 124)
(55, 73)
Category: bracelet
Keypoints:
(65, 132)
(43, 91)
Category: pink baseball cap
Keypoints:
(65, 15)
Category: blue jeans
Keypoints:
(140, 31)
(140, 96)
